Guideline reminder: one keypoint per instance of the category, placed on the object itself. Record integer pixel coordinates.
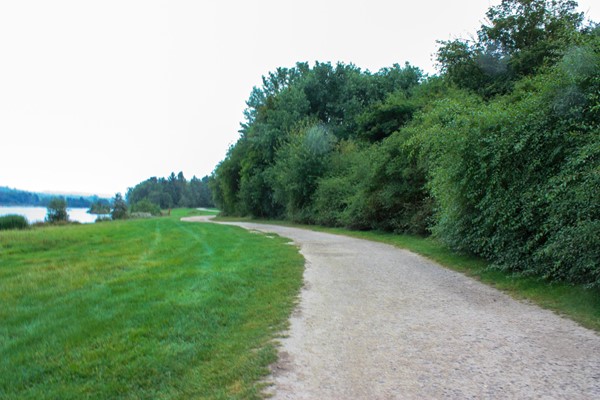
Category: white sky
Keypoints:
(97, 96)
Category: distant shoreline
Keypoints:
(15, 197)
(38, 213)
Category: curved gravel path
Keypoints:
(377, 322)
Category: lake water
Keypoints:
(38, 214)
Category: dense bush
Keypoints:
(516, 180)
(100, 207)
(145, 206)
(13, 222)
(119, 208)
(393, 196)
(292, 102)
(57, 211)
(298, 167)
(498, 156)
(337, 189)
(174, 191)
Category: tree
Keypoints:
(460, 64)
(57, 210)
(530, 33)
(174, 191)
(300, 165)
(100, 207)
(521, 38)
(380, 120)
(145, 206)
(119, 210)
(225, 184)
(199, 193)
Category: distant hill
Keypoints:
(16, 197)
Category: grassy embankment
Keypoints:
(137, 309)
(575, 302)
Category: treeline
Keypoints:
(174, 191)
(498, 156)
(15, 197)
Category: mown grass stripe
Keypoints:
(141, 309)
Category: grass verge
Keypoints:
(141, 309)
(575, 302)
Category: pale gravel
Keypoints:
(378, 322)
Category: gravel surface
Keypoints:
(377, 322)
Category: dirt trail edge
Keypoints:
(377, 322)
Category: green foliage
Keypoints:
(374, 187)
(174, 191)
(516, 180)
(336, 98)
(57, 210)
(382, 119)
(299, 165)
(379, 186)
(225, 183)
(469, 67)
(522, 38)
(11, 221)
(100, 207)
(530, 33)
(393, 197)
(119, 208)
(145, 206)
(336, 190)
(497, 157)
(256, 194)
(199, 194)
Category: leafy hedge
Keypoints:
(499, 156)
(517, 179)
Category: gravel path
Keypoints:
(377, 322)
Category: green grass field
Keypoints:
(141, 309)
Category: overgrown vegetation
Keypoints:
(57, 211)
(165, 193)
(499, 156)
(145, 206)
(154, 308)
(101, 206)
(119, 207)
(13, 222)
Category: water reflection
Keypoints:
(38, 214)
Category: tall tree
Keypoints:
(57, 210)
(119, 207)
(521, 37)
(530, 33)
